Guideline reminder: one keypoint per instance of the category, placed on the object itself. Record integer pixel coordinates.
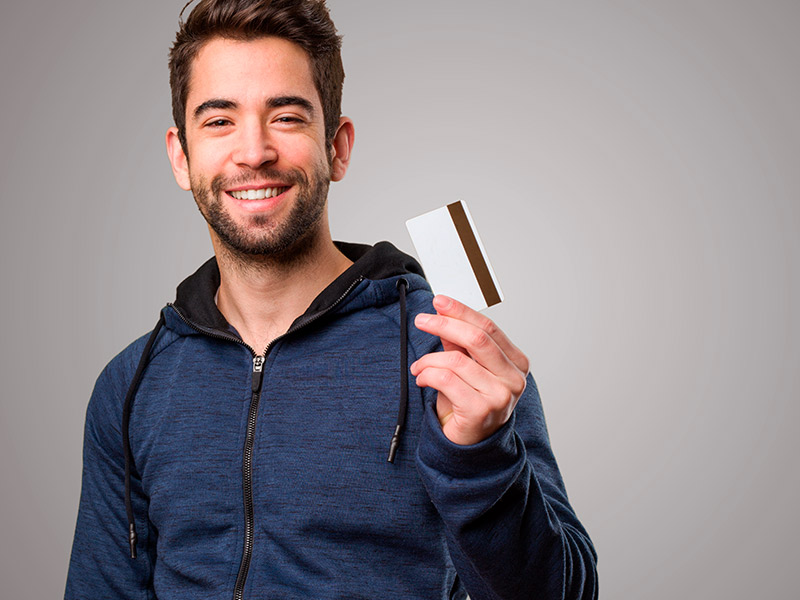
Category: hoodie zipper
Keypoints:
(257, 377)
(247, 475)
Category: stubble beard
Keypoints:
(267, 238)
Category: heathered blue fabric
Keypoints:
(333, 519)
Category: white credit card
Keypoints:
(453, 256)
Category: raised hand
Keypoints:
(480, 375)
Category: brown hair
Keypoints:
(307, 23)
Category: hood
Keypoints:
(195, 295)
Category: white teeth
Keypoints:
(258, 194)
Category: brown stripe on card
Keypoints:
(474, 254)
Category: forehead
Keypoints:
(252, 69)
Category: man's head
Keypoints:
(259, 134)
(306, 23)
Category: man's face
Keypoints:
(257, 161)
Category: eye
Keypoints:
(215, 123)
(288, 119)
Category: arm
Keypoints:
(485, 459)
(101, 566)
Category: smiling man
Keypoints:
(255, 154)
(240, 449)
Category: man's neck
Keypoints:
(261, 298)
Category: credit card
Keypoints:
(453, 256)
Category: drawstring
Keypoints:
(126, 415)
(402, 284)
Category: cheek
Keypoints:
(301, 149)
(209, 155)
(298, 155)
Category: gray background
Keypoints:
(632, 168)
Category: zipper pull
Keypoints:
(258, 372)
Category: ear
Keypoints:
(177, 158)
(342, 148)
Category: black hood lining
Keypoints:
(195, 295)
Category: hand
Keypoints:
(480, 375)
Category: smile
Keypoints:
(258, 194)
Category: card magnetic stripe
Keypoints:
(474, 254)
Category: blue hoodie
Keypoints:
(269, 479)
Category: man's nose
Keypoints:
(255, 147)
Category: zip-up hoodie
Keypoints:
(252, 478)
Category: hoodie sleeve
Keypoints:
(510, 529)
(100, 565)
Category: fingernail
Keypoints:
(422, 319)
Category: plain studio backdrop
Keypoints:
(633, 169)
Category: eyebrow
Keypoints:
(276, 102)
(214, 104)
(292, 101)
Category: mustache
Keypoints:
(246, 176)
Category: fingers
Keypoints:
(466, 369)
(481, 343)
(448, 383)
(448, 346)
(480, 375)
(448, 307)
(456, 375)
(466, 414)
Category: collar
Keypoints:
(195, 295)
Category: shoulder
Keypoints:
(112, 384)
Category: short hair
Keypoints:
(307, 23)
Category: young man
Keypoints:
(240, 449)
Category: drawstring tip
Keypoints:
(393, 448)
(132, 539)
(394, 444)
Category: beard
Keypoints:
(266, 236)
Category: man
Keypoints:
(241, 448)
